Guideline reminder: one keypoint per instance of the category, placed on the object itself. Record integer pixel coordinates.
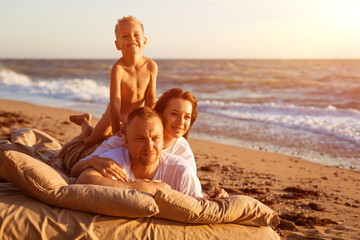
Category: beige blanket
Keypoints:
(23, 217)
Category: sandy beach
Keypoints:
(314, 201)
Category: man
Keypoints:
(143, 161)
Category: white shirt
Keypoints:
(173, 170)
(180, 147)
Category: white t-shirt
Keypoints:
(180, 147)
(173, 170)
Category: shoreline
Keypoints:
(291, 186)
(313, 157)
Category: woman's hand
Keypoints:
(108, 168)
(218, 193)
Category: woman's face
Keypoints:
(177, 117)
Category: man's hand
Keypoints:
(121, 132)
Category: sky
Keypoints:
(183, 29)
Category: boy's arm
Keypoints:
(150, 95)
(91, 176)
(115, 97)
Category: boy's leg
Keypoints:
(101, 131)
(84, 121)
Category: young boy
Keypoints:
(133, 83)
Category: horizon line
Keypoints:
(61, 58)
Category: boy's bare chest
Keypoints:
(135, 83)
(137, 80)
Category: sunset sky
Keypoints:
(183, 29)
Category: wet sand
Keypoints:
(314, 201)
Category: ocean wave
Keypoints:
(10, 78)
(341, 123)
(85, 90)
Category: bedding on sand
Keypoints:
(38, 199)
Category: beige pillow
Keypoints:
(234, 209)
(42, 182)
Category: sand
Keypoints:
(314, 201)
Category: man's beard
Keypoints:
(147, 160)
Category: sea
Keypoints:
(303, 108)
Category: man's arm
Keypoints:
(91, 176)
(150, 95)
(115, 97)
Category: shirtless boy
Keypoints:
(133, 83)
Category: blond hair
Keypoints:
(127, 19)
(144, 113)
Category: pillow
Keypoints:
(42, 182)
(234, 209)
(40, 141)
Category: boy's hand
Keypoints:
(122, 131)
(109, 168)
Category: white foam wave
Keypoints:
(344, 124)
(10, 78)
(86, 90)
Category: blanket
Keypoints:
(39, 200)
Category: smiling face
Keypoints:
(177, 118)
(130, 38)
(144, 141)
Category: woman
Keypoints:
(178, 110)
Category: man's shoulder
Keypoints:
(118, 154)
(114, 141)
(119, 149)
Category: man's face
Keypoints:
(145, 141)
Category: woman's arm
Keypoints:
(106, 166)
(218, 193)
